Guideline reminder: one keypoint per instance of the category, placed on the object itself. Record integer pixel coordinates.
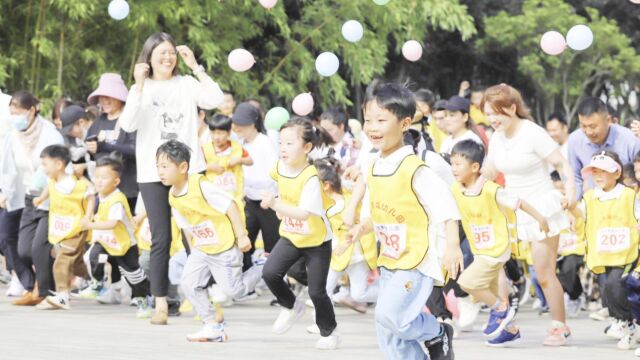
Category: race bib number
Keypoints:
(204, 234)
(60, 225)
(568, 242)
(483, 236)
(145, 232)
(107, 238)
(392, 239)
(227, 182)
(613, 240)
(295, 226)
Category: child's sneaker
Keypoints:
(504, 339)
(330, 342)
(557, 336)
(637, 352)
(441, 347)
(313, 329)
(58, 302)
(91, 291)
(573, 306)
(309, 304)
(109, 296)
(247, 297)
(498, 320)
(468, 312)
(15, 288)
(209, 333)
(617, 330)
(144, 310)
(600, 315)
(288, 317)
(44, 305)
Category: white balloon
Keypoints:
(118, 9)
(352, 31)
(327, 64)
(579, 37)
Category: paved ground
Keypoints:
(93, 332)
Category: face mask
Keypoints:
(19, 122)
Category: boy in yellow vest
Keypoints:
(225, 158)
(213, 224)
(112, 232)
(488, 219)
(403, 199)
(70, 207)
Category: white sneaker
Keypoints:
(91, 291)
(209, 333)
(537, 304)
(247, 297)
(313, 329)
(309, 303)
(330, 342)
(219, 297)
(109, 296)
(15, 287)
(637, 352)
(144, 310)
(572, 306)
(468, 312)
(618, 329)
(600, 315)
(58, 302)
(44, 305)
(287, 318)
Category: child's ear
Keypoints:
(307, 147)
(475, 167)
(183, 168)
(326, 186)
(117, 181)
(406, 123)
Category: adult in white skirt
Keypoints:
(521, 150)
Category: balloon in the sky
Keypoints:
(552, 43)
(327, 64)
(303, 104)
(412, 50)
(352, 31)
(580, 37)
(118, 9)
(275, 118)
(241, 60)
(268, 4)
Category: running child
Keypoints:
(212, 222)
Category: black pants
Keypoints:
(34, 247)
(615, 293)
(513, 271)
(259, 219)
(317, 259)
(127, 265)
(156, 202)
(569, 275)
(437, 305)
(9, 230)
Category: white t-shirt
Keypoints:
(435, 197)
(256, 176)
(310, 198)
(117, 212)
(521, 159)
(167, 110)
(614, 193)
(449, 142)
(215, 197)
(4, 114)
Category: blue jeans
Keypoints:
(400, 323)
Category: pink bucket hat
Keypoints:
(602, 162)
(110, 85)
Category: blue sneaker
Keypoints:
(498, 321)
(504, 339)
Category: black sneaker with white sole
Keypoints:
(441, 347)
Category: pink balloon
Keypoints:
(412, 50)
(268, 4)
(635, 1)
(241, 60)
(303, 104)
(553, 43)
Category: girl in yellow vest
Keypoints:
(305, 231)
(225, 158)
(70, 208)
(403, 199)
(611, 212)
(213, 224)
(571, 251)
(112, 233)
(357, 259)
(488, 219)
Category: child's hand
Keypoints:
(352, 173)
(635, 127)
(85, 224)
(38, 201)
(572, 222)
(244, 243)
(544, 225)
(138, 219)
(341, 248)
(215, 168)
(268, 200)
(235, 161)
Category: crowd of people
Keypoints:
(171, 194)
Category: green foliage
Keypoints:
(60, 47)
(565, 79)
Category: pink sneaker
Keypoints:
(557, 337)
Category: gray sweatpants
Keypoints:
(226, 269)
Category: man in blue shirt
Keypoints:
(598, 133)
